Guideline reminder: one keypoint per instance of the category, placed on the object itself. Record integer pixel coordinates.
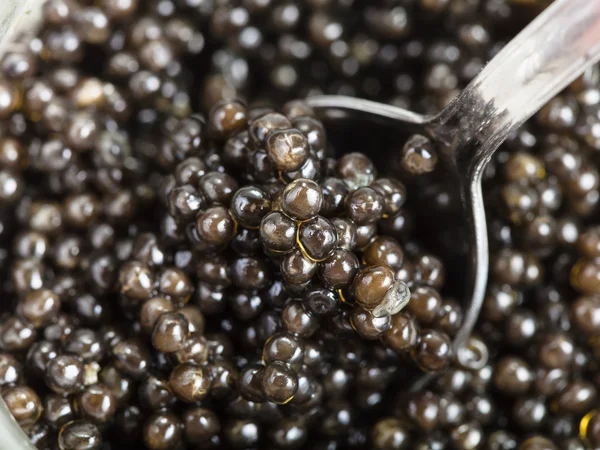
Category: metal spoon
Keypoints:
(536, 65)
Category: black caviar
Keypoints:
(190, 258)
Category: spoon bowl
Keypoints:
(537, 64)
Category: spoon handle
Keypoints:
(533, 67)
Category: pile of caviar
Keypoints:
(192, 259)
